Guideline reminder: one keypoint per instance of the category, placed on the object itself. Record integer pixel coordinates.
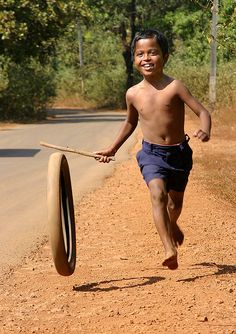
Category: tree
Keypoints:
(120, 18)
(227, 30)
(176, 18)
(29, 31)
(185, 23)
(31, 28)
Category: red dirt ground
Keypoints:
(119, 285)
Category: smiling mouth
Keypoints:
(148, 66)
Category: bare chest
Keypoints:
(151, 104)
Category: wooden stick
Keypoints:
(72, 150)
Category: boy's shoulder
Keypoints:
(134, 90)
(178, 82)
(178, 87)
(173, 81)
(174, 85)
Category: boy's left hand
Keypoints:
(202, 135)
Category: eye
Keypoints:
(139, 54)
(153, 52)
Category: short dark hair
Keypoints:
(151, 33)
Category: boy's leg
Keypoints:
(175, 204)
(159, 199)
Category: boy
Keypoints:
(165, 159)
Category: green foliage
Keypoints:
(106, 87)
(190, 32)
(3, 74)
(28, 90)
(39, 39)
(226, 83)
(227, 30)
(196, 78)
(104, 69)
(101, 78)
(29, 31)
(187, 32)
(187, 25)
(31, 28)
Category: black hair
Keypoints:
(151, 33)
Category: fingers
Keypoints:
(200, 134)
(102, 157)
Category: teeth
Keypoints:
(148, 66)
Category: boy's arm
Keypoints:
(205, 118)
(126, 130)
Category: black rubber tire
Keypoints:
(61, 217)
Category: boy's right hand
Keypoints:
(105, 155)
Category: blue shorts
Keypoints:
(169, 162)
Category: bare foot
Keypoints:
(171, 262)
(177, 235)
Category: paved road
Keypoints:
(23, 173)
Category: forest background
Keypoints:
(77, 52)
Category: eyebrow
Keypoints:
(151, 49)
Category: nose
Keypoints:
(146, 56)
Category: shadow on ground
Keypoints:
(82, 115)
(221, 269)
(18, 152)
(123, 283)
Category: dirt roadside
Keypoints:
(119, 285)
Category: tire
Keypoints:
(61, 215)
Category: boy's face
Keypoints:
(148, 57)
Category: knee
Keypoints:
(175, 206)
(158, 196)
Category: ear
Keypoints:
(165, 58)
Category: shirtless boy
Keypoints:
(165, 159)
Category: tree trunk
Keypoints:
(127, 43)
(81, 53)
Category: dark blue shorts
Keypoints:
(169, 162)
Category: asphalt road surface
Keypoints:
(23, 173)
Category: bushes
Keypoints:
(101, 79)
(3, 74)
(29, 31)
(196, 78)
(106, 87)
(25, 90)
(226, 84)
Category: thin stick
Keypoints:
(72, 150)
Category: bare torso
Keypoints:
(160, 110)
